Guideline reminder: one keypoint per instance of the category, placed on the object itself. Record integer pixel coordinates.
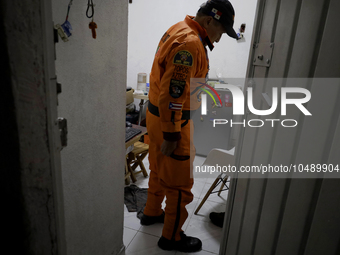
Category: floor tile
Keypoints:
(207, 208)
(131, 221)
(197, 176)
(190, 208)
(197, 189)
(154, 230)
(211, 178)
(202, 180)
(207, 232)
(142, 182)
(144, 244)
(126, 212)
(222, 199)
(128, 235)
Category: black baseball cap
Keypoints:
(222, 11)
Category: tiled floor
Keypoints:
(143, 240)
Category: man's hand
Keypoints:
(168, 147)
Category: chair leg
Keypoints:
(134, 166)
(133, 161)
(141, 164)
(143, 155)
(133, 177)
(222, 185)
(127, 180)
(127, 174)
(207, 195)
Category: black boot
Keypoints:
(186, 244)
(217, 218)
(149, 220)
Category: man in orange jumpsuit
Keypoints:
(181, 55)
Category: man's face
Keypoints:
(215, 30)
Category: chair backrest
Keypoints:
(220, 157)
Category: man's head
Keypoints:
(217, 17)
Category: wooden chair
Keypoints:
(222, 158)
(135, 159)
(127, 172)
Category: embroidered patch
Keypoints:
(176, 88)
(165, 37)
(216, 14)
(157, 52)
(184, 58)
(180, 73)
(175, 106)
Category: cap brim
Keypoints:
(231, 32)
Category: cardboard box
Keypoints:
(129, 96)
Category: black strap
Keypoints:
(207, 40)
(173, 117)
(154, 110)
(179, 157)
(184, 123)
(178, 215)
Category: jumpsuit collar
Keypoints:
(202, 33)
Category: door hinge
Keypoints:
(56, 40)
(55, 35)
(58, 88)
(263, 54)
(62, 125)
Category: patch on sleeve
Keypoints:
(157, 51)
(180, 73)
(176, 88)
(175, 106)
(184, 58)
(165, 37)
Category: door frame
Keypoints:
(52, 124)
(238, 150)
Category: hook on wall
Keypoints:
(90, 5)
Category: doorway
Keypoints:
(229, 59)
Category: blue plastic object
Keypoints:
(67, 28)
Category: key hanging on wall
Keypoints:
(92, 24)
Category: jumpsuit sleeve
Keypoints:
(180, 66)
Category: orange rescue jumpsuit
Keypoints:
(180, 56)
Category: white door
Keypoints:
(300, 39)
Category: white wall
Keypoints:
(93, 77)
(149, 19)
